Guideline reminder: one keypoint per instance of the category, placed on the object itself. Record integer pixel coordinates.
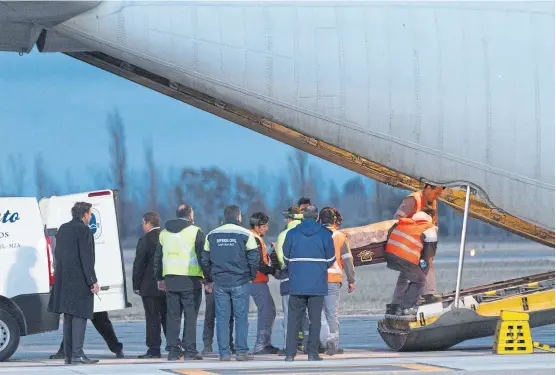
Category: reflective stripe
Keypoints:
(348, 255)
(239, 230)
(283, 281)
(404, 247)
(408, 237)
(332, 270)
(335, 268)
(309, 259)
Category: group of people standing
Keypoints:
(231, 263)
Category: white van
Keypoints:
(27, 246)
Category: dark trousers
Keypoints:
(406, 295)
(155, 319)
(104, 326)
(296, 311)
(189, 302)
(74, 335)
(210, 317)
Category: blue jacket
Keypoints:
(231, 255)
(308, 253)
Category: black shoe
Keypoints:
(149, 356)
(120, 354)
(83, 360)
(392, 308)
(243, 357)
(207, 349)
(315, 357)
(282, 352)
(193, 357)
(59, 355)
(289, 358)
(175, 356)
(432, 298)
(267, 350)
(67, 361)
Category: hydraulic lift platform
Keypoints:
(441, 325)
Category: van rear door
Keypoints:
(109, 265)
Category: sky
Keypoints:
(57, 106)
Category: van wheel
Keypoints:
(9, 335)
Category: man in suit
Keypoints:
(145, 285)
(75, 283)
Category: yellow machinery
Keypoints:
(438, 326)
(513, 334)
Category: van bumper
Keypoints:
(34, 308)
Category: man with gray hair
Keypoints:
(308, 253)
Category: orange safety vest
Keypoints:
(405, 240)
(420, 202)
(261, 277)
(335, 272)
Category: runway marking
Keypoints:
(305, 370)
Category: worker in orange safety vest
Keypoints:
(259, 289)
(410, 247)
(331, 218)
(413, 203)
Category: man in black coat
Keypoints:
(145, 285)
(75, 282)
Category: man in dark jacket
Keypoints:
(231, 258)
(75, 283)
(177, 267)
(308, 253)
(144, 284)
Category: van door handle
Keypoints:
(104, 287)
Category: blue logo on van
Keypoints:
(9, 217)
(95, 223)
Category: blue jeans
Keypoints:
(223, 298)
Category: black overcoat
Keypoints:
(74, 271)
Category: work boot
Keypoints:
(432, 298)
(207, 349)
(269, 349)
(393, 309)
(244, 357)
(315, 357)
(331, 348)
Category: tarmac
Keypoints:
(365, 353)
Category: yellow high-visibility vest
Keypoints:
(178, 253)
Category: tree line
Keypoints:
(360, 200)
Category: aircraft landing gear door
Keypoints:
(108, 254)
